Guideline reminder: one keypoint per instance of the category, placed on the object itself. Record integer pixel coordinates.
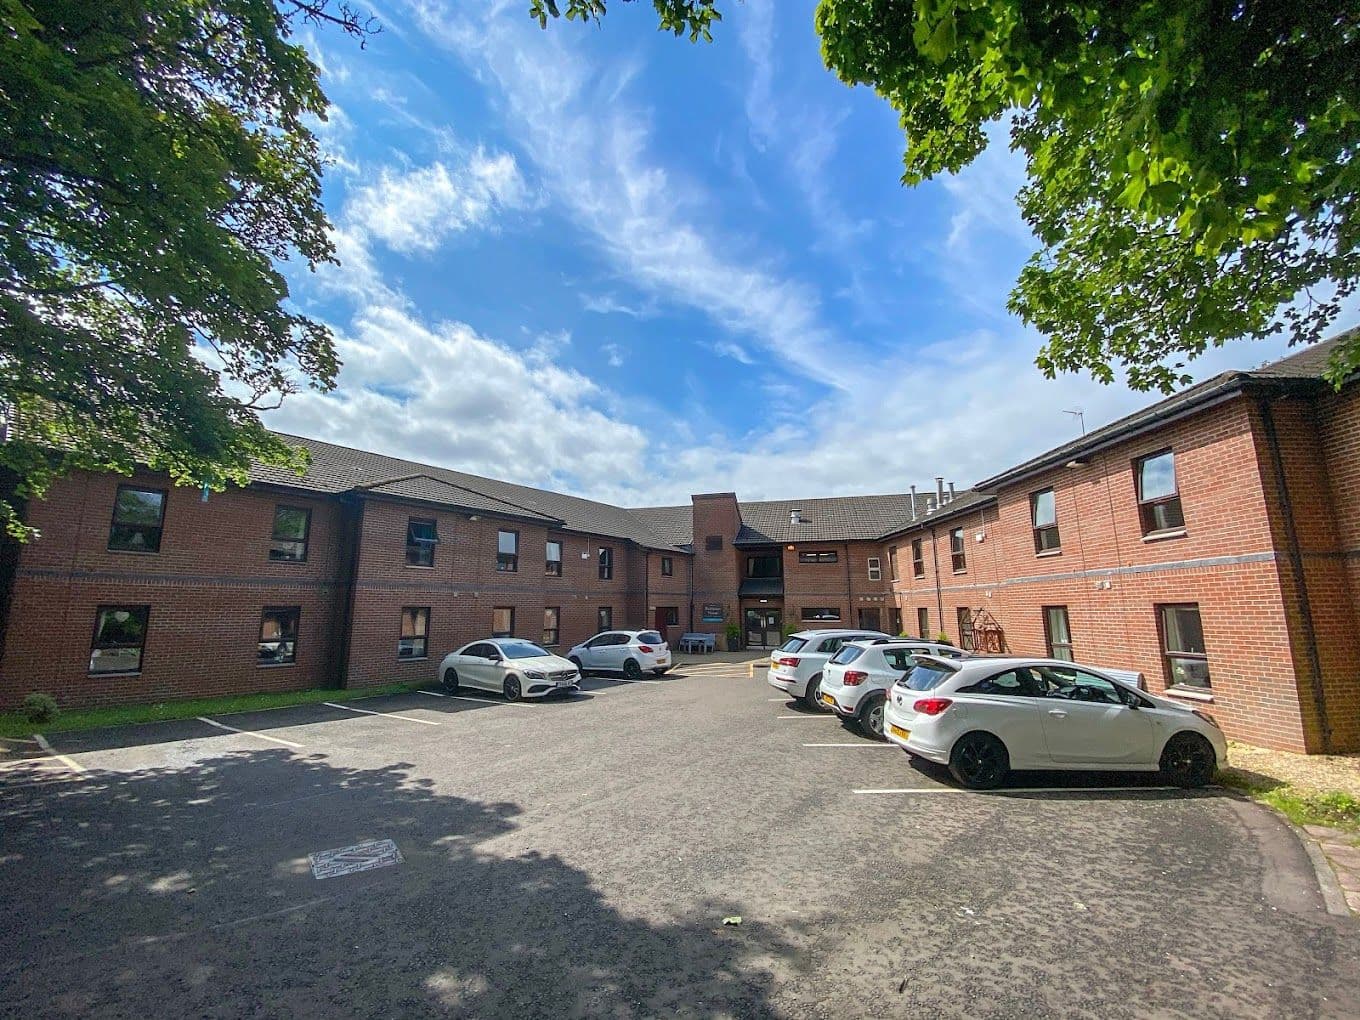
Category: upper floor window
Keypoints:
(918, 558)
(507, 551)
(119, 638)
(820, 614)
(553, 560)
(606, 563)
(765, 566)
(957, 556)
(415, 632)
(713, 543)
(1183, 650)
(1043, 510)
(818, 557)
(1159, 501)
(875, 569)
(421, 538)
(667, 566)
(138, 518)
(289, 540)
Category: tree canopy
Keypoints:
(156, 170)
(678, 16)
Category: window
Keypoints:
(119, 638)
(1078, 685)
(604, 618)
(965, 617)
(1018, 683)
(818, 557)
(1159, 501)
(278, 635)
(870, 619)
(765, 566)
(606, 563)
(1057, 633)
(713, 543)
(415, 632)
(1187, 661)
(819, 614)
(552, 625)
(289, 541)
(421, 538)
(503, 621)
(138, 517)
(1044, 516)
(553, 559)
(957, 555)
(507, 551)
(892, 562)
(667, 566)
(923, 622)
(918, 559)
(671, 615)
(875, 569)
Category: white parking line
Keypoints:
(385, 715)
(1028, 789)
(433, 694)
(70, 763)
(875, 746)
(785, 700)
(824, 715)
(42, 763)
(248, 733)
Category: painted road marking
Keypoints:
(248, 733)
(347, 860)
(70, 763)
(807, 715)
(1030, 789)
(433, 694)
(44, 762)
(877, 747)
(782, 700)
(384, 715)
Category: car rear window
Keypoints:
(650, 637)
(793, 644)
(925, 677)
(848, 653)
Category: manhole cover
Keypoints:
(378, 853)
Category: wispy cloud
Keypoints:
(608, 304)
(613, 354)
(727, 349)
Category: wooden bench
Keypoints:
(698, 643)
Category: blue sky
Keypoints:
(607, 261)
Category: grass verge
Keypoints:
(14, 725)
(1302, 807)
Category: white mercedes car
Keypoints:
(986, 716)
(510, 666)
(630, 652)
(855, 681)
(796, 665)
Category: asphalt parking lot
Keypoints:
(577, 857)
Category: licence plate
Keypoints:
(898, 731)
(829, 700)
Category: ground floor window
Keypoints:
(503, 621)
(820, 614)
(415, 633)
(552, 619)
(1058, 633)
(965, 617)
(923, 622)
(604, 618)
(870, 619)
(278, 635)
(119, 638)
(1183, 651)
(671, 615)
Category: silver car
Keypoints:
(508, 666)
(630, 652)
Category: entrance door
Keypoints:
(764, 628)
(869, 619)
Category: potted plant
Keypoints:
(733, 638)
(943, 639)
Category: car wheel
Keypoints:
(871, 719)
(449, 680)
(631, 670)
(811, 693)
(979, 761)
(513, 691)
(1188, 760)
(576, 661)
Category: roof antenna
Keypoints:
(1078, 414)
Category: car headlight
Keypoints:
(534, 674)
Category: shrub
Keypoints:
(38, 708)
(943, 639)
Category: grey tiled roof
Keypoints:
(432, 490)
(335, 469)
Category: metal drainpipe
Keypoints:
(939, 595)
(1296, 565)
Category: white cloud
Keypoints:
(608, 304)
(755, 30)
(613, 354)
(727, 349)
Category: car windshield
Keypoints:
(925, 677)
(650, 637)
(793, 644)
(848, 653)
(521, 650)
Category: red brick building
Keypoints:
(1210, 541)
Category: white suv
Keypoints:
(985, 716)
(855, 682)
(796, 667)
(630, 652)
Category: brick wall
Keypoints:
(717, 573)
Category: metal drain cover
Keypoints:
(377, 853)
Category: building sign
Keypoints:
(713, 613)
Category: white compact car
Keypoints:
(796, 666)
(630, 652)
(855, 681)
(985, 716)
(509, 666)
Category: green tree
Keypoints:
(677, 16)
(156, 170)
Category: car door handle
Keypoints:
(1057, 713)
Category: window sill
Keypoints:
(115, 672)
(135, 552)
(275, 665)
(1158, 536)
(412, 658)
(420, 566)
(958, 573)
(1048, 552)
(1189, 693)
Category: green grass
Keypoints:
(14, 725)
(1302, 807)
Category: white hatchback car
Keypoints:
(855, 681)
(796, 665)
(985, 716)
(509, 666)
(630, 652)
